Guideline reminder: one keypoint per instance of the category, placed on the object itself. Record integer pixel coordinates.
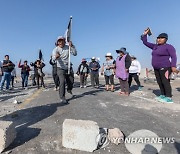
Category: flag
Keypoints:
(67, 34)
(40, 55)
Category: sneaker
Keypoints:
(81, 87)
(167, 100)
(64, 101)
(140, 88)
(70, 92)
(159, 98)
(85, 86)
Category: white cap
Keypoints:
(93, 58)
(108, 54)
(60, 38)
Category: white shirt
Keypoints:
(62, 61)
(135, 67)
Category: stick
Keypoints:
(69, 60)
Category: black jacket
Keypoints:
(84, 66)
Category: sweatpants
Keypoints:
(162, 77)
(124, 85)
(136, 79)
(94, 79)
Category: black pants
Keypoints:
(162, 77)
(38, 77)
(136, 79)
(33, 78)
(64, 78)
(83, 79)
(111, 78)
(12, 81)
(94, 79)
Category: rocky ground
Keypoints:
(38, 115)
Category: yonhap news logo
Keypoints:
(139, 142)
(145, 141)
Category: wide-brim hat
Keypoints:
(163, 35)
(123, 50)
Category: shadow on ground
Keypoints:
(178, 89)
(177, 146)
(5, 98)
(24, 118)
(157, 92)
(92, 93)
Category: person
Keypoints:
(32, 74)
(108, 71)
(39, 74)
(54, 73)
(134, 72)
(83, 71)
(24, 73)
(162, 52)
(94, 67)
(1, 72)
(123, 62)
(7, 66)
(61, 55)
(13, 75)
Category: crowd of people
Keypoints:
(125, 68)
(32, 71)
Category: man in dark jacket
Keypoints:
(83, 71)
(94, 67)
(7, 68)
(24, 73)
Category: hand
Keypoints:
(138, 74)
(86, 75)
(127, 70)
(174, 70)
(57, 55)
(70, 44)
(146, 31)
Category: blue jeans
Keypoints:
(24, 80)
(6, 77)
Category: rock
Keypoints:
(16, 102)
(7, 134)
(80, 135)
(115, 136)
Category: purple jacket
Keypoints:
(161, 54)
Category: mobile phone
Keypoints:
(149, 32)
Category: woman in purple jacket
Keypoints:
(163, 66)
